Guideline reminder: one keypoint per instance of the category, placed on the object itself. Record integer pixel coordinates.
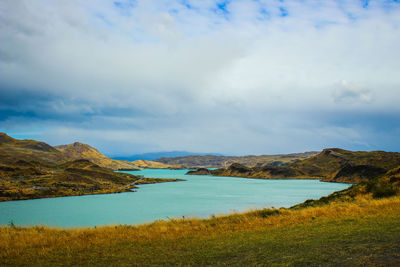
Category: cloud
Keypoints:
(253, 77)
(351, 93)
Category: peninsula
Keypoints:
(331, 165)
(31, 169)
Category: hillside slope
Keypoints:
(152, 156)
(213, 161)
(333, 165)
(32, 169)
(83, 151)
(147, 164)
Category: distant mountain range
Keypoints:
(158, 155)
(219, 161)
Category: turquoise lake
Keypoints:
(198, 196)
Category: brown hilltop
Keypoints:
(32, 169)
(58, 154)
(214, 161)
(4, 138)
(332, 164)
(7, 141)
(83, 151)
(147, 164)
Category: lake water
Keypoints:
(198, 196)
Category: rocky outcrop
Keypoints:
(83, 151)
(332, 164)
(200, 171)
(31, 169)
(358, 173)
(147, 164)
(214, 161)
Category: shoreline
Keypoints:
(221, 215)
(275, 178)
(179, 218)
(109, 191)
(354, 233)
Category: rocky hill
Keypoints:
(213, 161)
(147, 164)
(333, 164)
(33, 169)
(157, 155)
(83, 151)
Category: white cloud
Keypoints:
(178, 65)
(351, 93)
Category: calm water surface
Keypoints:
(198, 196)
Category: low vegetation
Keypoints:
(361, 232)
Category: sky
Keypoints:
(231, 77)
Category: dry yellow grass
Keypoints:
(364, 231)
(14, 240)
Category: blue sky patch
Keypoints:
(104, 19)
(221, 7)
(125, 4)
(186, 4)
(264, 14)
(365, 3)
(284, 12)
(125, 7)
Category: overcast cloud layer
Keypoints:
(232, 77)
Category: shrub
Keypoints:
(381, 188)
(266, 212)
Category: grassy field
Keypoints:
(362, 232)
